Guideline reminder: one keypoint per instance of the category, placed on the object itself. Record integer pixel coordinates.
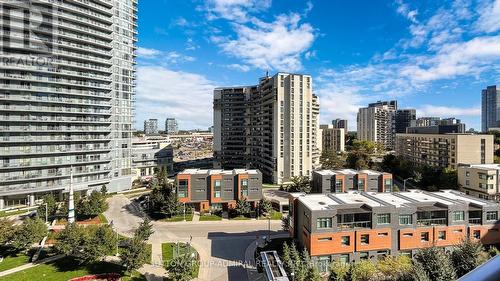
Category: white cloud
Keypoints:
(447, 111)
(234, 10)
(271, 46)
(239, 67)
(489, 20)
(163, 93)
(147, 53)
(404, 10)
(174, 57)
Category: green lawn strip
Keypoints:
(103, 218)
(13, 213)
(67, 268)
(13, 261)
(210, 218)
(168, 250)
(189, 217)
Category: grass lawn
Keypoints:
(103, 218)
(20, 212)
(189, 217)
(210, 218)
(276, 216)
(168, 250)
(268, 185)
(67, 268)
(12, 261)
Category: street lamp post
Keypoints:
(184, 212)
(404, 183)
(46, 213)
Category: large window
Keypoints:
(345, 240)
(217, 189)
(323, 223)
(338, 185)
(361, 184)
(383, 218)
(492, 216)
(182, 189)
(244, 187)
(388, 185)
(458, 216)
(405, 220)
(424, 236)
(365, 239)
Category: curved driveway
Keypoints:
(221, 244)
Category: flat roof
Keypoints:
(318, 202)
(486, 166)
(455, 195)
(354, 197)
(371, 172)
(347, 172)
(219, 171)
(420, 196)
(390, 198)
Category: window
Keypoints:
(244, 187)
(467, 182)
(405, 220)
(345, 240)
(323, 223)
(476, 234)
(442, 235)
(182, 189)
(361, 184)
(383, 218)
(324, 239)
(491, 216)
(217, 189)
(424, 236)
(338, 185)
(383, 234)
(344, 258)
(407, 234)
(458, 216)
(365, 239)
(467, 174)
(388, 185)
(363, 255)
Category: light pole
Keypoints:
(46, 213)
(404, 183)
(184, 212)
(269, 228)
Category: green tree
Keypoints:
(70, 239)
(243, 207)
(394, 268)
(163, 200)
(180, 268)
(265, 207)
(466, 256)
(300, 271)
(339, 271)
(7, 231)
(92, 205)
(364, 270)
(330, 159)
(287, 259)
(51, 206)
(145, 229)
(436, 263)
(416, 274)
(313, 274)
(135, 254)
(104, 190)
(300, 184)
(285, 222)
(31, 231)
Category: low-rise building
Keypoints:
(367, 225)
(480, 180)
(218, 189)
(445, 150)
(339, 181)
(332, 138)
(149, 154)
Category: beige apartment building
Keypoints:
(376, 123)
(445, 150)
(272, 126)
(480, 180)
(332, 138)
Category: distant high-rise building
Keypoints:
(272, 126)
(377, 123)
(425, 121)
(171, 126)
(332, 138)
(66, 97)
(403, 119)
(436, 125)
(151, 127)
(490, 108)
(340, 124)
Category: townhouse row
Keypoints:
(218, 189)
(344, 180)
(369, 225)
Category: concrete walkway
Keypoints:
(196, 216)
(156, 254)
(29, 265)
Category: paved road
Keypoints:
(221, 244)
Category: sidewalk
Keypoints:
(29, 265)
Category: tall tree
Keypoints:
(300, 184)
(339, 271)
(7, 231)
(243, 207)
(135, 254)
(330, 159)
(394, 268)
(436, 263)
(145, 229)
(313, 274)
(180, 268)
(363, 270)
(48, 207)
(265, 207)
(30, 232)
(287, 259)
(466, 256)
(92, 205)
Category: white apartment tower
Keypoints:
(67, 72)
(377, 123)
(272, 126)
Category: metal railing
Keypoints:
(475, 220)
(439, 221)
(356, 224)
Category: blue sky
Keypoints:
(434, 56)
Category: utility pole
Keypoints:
(71, 204)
